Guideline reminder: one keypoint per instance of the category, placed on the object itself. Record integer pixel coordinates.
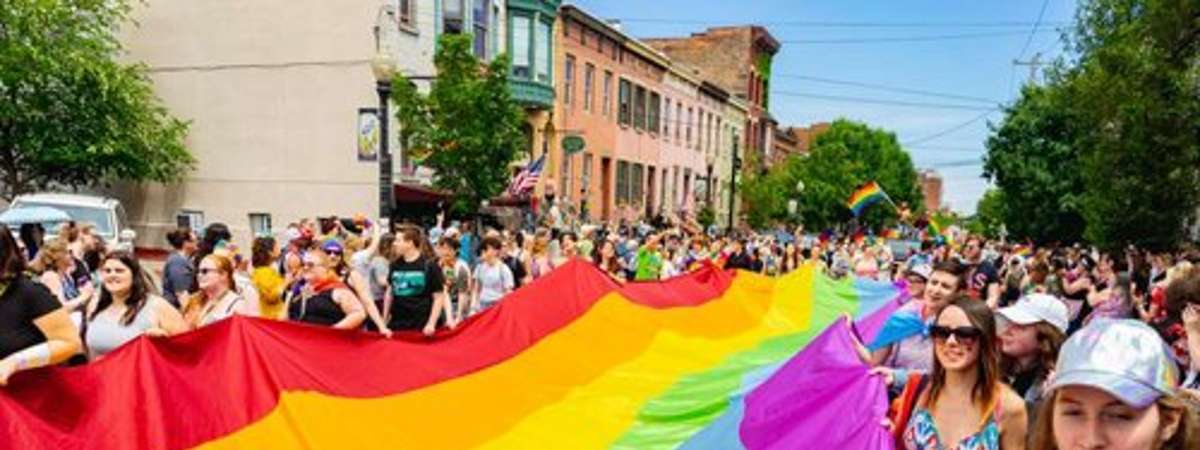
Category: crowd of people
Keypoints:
(1010, 345)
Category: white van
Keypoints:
(105, 213)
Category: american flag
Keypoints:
(528, 178)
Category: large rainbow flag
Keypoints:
(711, 359)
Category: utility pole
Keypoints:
(1034, 63)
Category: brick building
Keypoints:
(610, 94)
(784, 145)
(931, 188)
(738, 59)
(807, 137)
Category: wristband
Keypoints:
(32, 357)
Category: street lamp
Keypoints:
(737, 165)
(383, 66)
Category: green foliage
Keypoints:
(707, 216)
(842, 158)
(1137, 93)
(1108, 150)
(1034, 161)
(468, 128)
(70, 114)
(989, 215)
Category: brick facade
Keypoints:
(931, 188)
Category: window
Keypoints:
(608, 76)
(586, 176)
(639, 108)
(678, 117)
(623, 113)
(452, 16)
(541, 52)
(564, 176)
(568, 80)
(689, 127)
(719, 133)
(667, 118)
(260, 224)
(706, 122)
(655, 107)
(479, 22)
(699, 128)
(190, 218)
(589, 76)
(520, 46)
(622, 182)
(408, 14)
(583, 36)
(636, 186)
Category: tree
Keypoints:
(842, 158)
(1108, 149)
(1136, 88)
(989, 214)
(468, 128)
(1033, 158)
(70, 114)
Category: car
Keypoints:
(107, 214)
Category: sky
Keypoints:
(961, 51)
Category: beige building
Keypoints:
(273, 91)
(735, 112)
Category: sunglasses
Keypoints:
(206, 271)
(964, 335)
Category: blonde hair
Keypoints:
(200, 299)
(49, 255)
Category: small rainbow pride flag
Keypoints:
(866, 195)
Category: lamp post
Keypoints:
(737, 165)
(383, 66)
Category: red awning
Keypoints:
(410, 194)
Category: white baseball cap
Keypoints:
(1034, 308)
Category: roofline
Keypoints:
(714, 90)
(636, 46)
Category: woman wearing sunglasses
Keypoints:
(962, 404)
(325, 299)
(218, 297)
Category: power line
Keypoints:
(883, 102)
(1034, 30)
(945, 148)
(897, 39)
(951, 129)
(889, 88)
(953, 164)
(836, 24)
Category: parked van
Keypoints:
(105, 213)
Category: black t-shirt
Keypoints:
(81, 274)
(979, 278)
(517, 268)
(21, 303)
(319, 309)
(738, 261)
(413, 285)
